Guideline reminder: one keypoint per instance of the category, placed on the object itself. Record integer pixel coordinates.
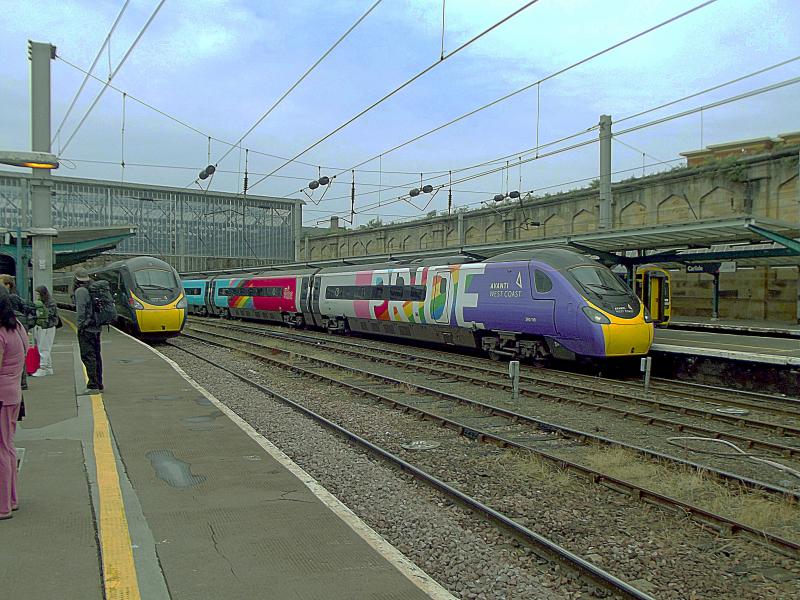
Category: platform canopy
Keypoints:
(71, 245)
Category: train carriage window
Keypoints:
(403, 293)
(543, 282)
(417, 292)
(192, 291)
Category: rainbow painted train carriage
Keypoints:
(529, 304)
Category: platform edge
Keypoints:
(400, 561)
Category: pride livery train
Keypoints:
(527, 304)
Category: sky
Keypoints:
(219, 65)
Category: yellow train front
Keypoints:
(148, 295)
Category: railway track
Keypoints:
(780, 415)
(491, 424)
(544, 547)
(684, 419)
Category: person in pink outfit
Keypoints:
(13, 349)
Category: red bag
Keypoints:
(32, 360)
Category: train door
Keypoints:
(653, 289)
(208, 296)
(541, 311)
(440, 296)
(305, 300)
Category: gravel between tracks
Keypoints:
(662, 554)
(607, 424)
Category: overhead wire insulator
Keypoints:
(514, 194)
(313, 184)
(427, 189)
(210, 169)
(324, 180)
(414, 192)
(203, 174)
(499, 197)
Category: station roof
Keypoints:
(73, 245)
(697, 234)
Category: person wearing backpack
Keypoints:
(88, 333)
(45, 331)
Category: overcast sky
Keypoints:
(218, 66)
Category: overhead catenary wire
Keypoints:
(658, 121)
(522, 193)
(106, 42)
(644, 112)
(404, 85)
(190, 127)
(300, 80)
(711, 89)
(112, 75)
(536, 84)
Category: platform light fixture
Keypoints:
(32, 160)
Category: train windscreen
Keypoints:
(606, 290)
(156, 285)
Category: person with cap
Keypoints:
(88, 333)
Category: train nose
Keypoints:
(628, 339)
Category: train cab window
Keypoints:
(599, 280)
(154, 278)
(543, 282)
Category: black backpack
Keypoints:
(104, 312)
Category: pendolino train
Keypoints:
(147, 293)
(532, 304)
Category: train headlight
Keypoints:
(647, 317)
(182, 303)
(595, 316)
(135, 304)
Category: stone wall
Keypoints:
(764, 185)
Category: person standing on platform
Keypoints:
(45, 331)
(13, 348)
(23, 310)
(88, 333)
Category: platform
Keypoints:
(156, 490)
(737, 326)
(751, 348)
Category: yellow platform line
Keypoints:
(119, 569)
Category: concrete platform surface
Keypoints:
(767, 350)
(762, 328)
(156, 490)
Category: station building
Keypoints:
(191, 230)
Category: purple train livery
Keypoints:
(532, 304)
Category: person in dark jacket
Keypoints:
(45, 330)
(88, 333)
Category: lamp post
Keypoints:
(40, 162)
